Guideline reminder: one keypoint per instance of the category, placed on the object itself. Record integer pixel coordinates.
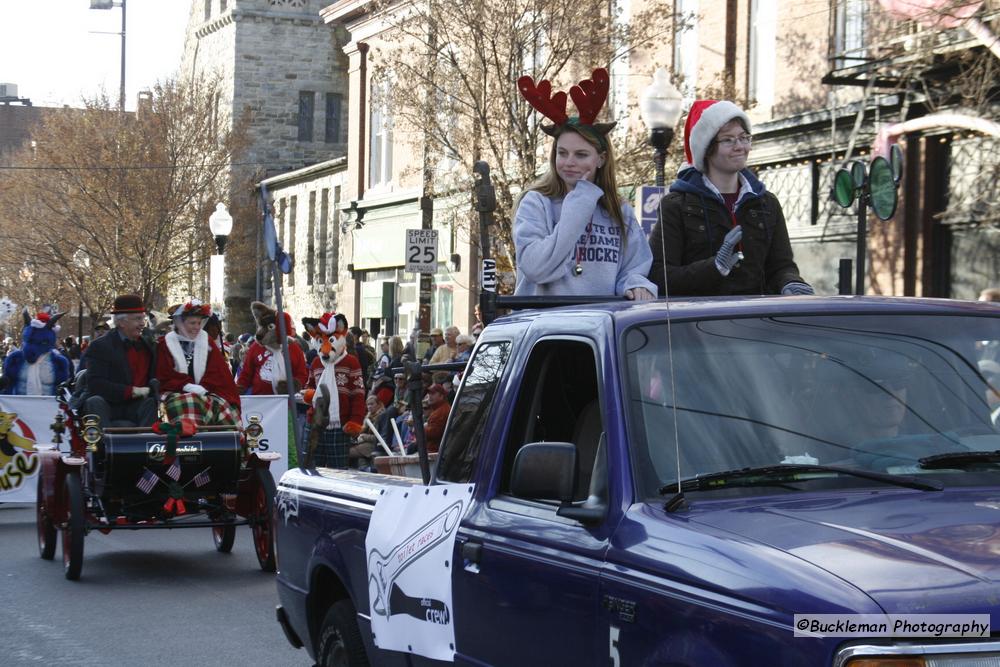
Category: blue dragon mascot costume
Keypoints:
(37, 368)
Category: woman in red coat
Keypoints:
(195, 380)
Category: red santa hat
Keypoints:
(704, 121)
(327, 323)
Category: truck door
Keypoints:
(526, 581)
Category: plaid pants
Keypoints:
(207, 410)
(331, 446)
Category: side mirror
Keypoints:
(545, 471)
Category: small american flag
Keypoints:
(201, 479)
(147, 481)
(174, 471)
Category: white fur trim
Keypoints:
(200, 354)
(333, 326)
(37, 324)
(711, 121)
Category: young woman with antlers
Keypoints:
(572, 233)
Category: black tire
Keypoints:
(73, 532)
(262, 521)
(224, 536)
(340, 643)
(46, 529)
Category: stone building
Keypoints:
(285, 72)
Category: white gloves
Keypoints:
(728, 257)
(195, 389)
(795, 287)
(140, 392)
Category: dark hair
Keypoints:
(713, 145)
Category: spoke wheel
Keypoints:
(46, 529)
(73, 531)
(262, 523)
(224, 537)
(340, 643)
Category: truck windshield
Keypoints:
(880, 393)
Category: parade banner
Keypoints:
(273, 412)
(409, 546)
(24, 421)
(27, 420)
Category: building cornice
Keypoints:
(344, 10)
(305, 173)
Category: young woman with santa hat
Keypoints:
(572, 233)
(195, 380)
(719, 230)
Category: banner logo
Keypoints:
(17, 452)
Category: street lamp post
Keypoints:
(108, 4)
(660, 107)
(221, 224)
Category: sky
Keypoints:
(49, 50)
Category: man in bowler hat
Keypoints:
(120, 368)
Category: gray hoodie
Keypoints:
(552, 236)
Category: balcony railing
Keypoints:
(865, 40)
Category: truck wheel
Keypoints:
(224, 536)
(46, 530)
(262, 525)
(340, 643)
(73, 533)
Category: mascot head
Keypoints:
(39, 335)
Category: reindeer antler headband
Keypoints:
(589, 96)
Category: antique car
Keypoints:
(109, 477)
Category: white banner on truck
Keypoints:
(409, 548)
(25, 420)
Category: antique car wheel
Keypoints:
(262, 520)
(224, 537)
(73, 532)
(340, 643)
(46, 530)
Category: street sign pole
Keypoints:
(426, 224)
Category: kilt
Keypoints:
(331, 447)
(207, 410)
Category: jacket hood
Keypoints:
(691, 180)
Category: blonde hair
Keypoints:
(551, 185)
(395, 347)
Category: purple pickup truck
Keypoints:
(672, 484)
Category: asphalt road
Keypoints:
(153, 597)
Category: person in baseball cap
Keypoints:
(719, 230)
(437, 416)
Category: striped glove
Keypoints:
(795, 288)
(728, 257)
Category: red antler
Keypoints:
(590, 94)
(541, 98)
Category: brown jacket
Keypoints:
(690, 230)
(434, 426)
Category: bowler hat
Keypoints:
(128, 303)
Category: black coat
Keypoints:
(692, 224)
(108, 372)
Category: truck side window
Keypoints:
(468, 416)
(558, 402)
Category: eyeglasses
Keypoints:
(729, 142)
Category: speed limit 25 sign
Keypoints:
(421, 250)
